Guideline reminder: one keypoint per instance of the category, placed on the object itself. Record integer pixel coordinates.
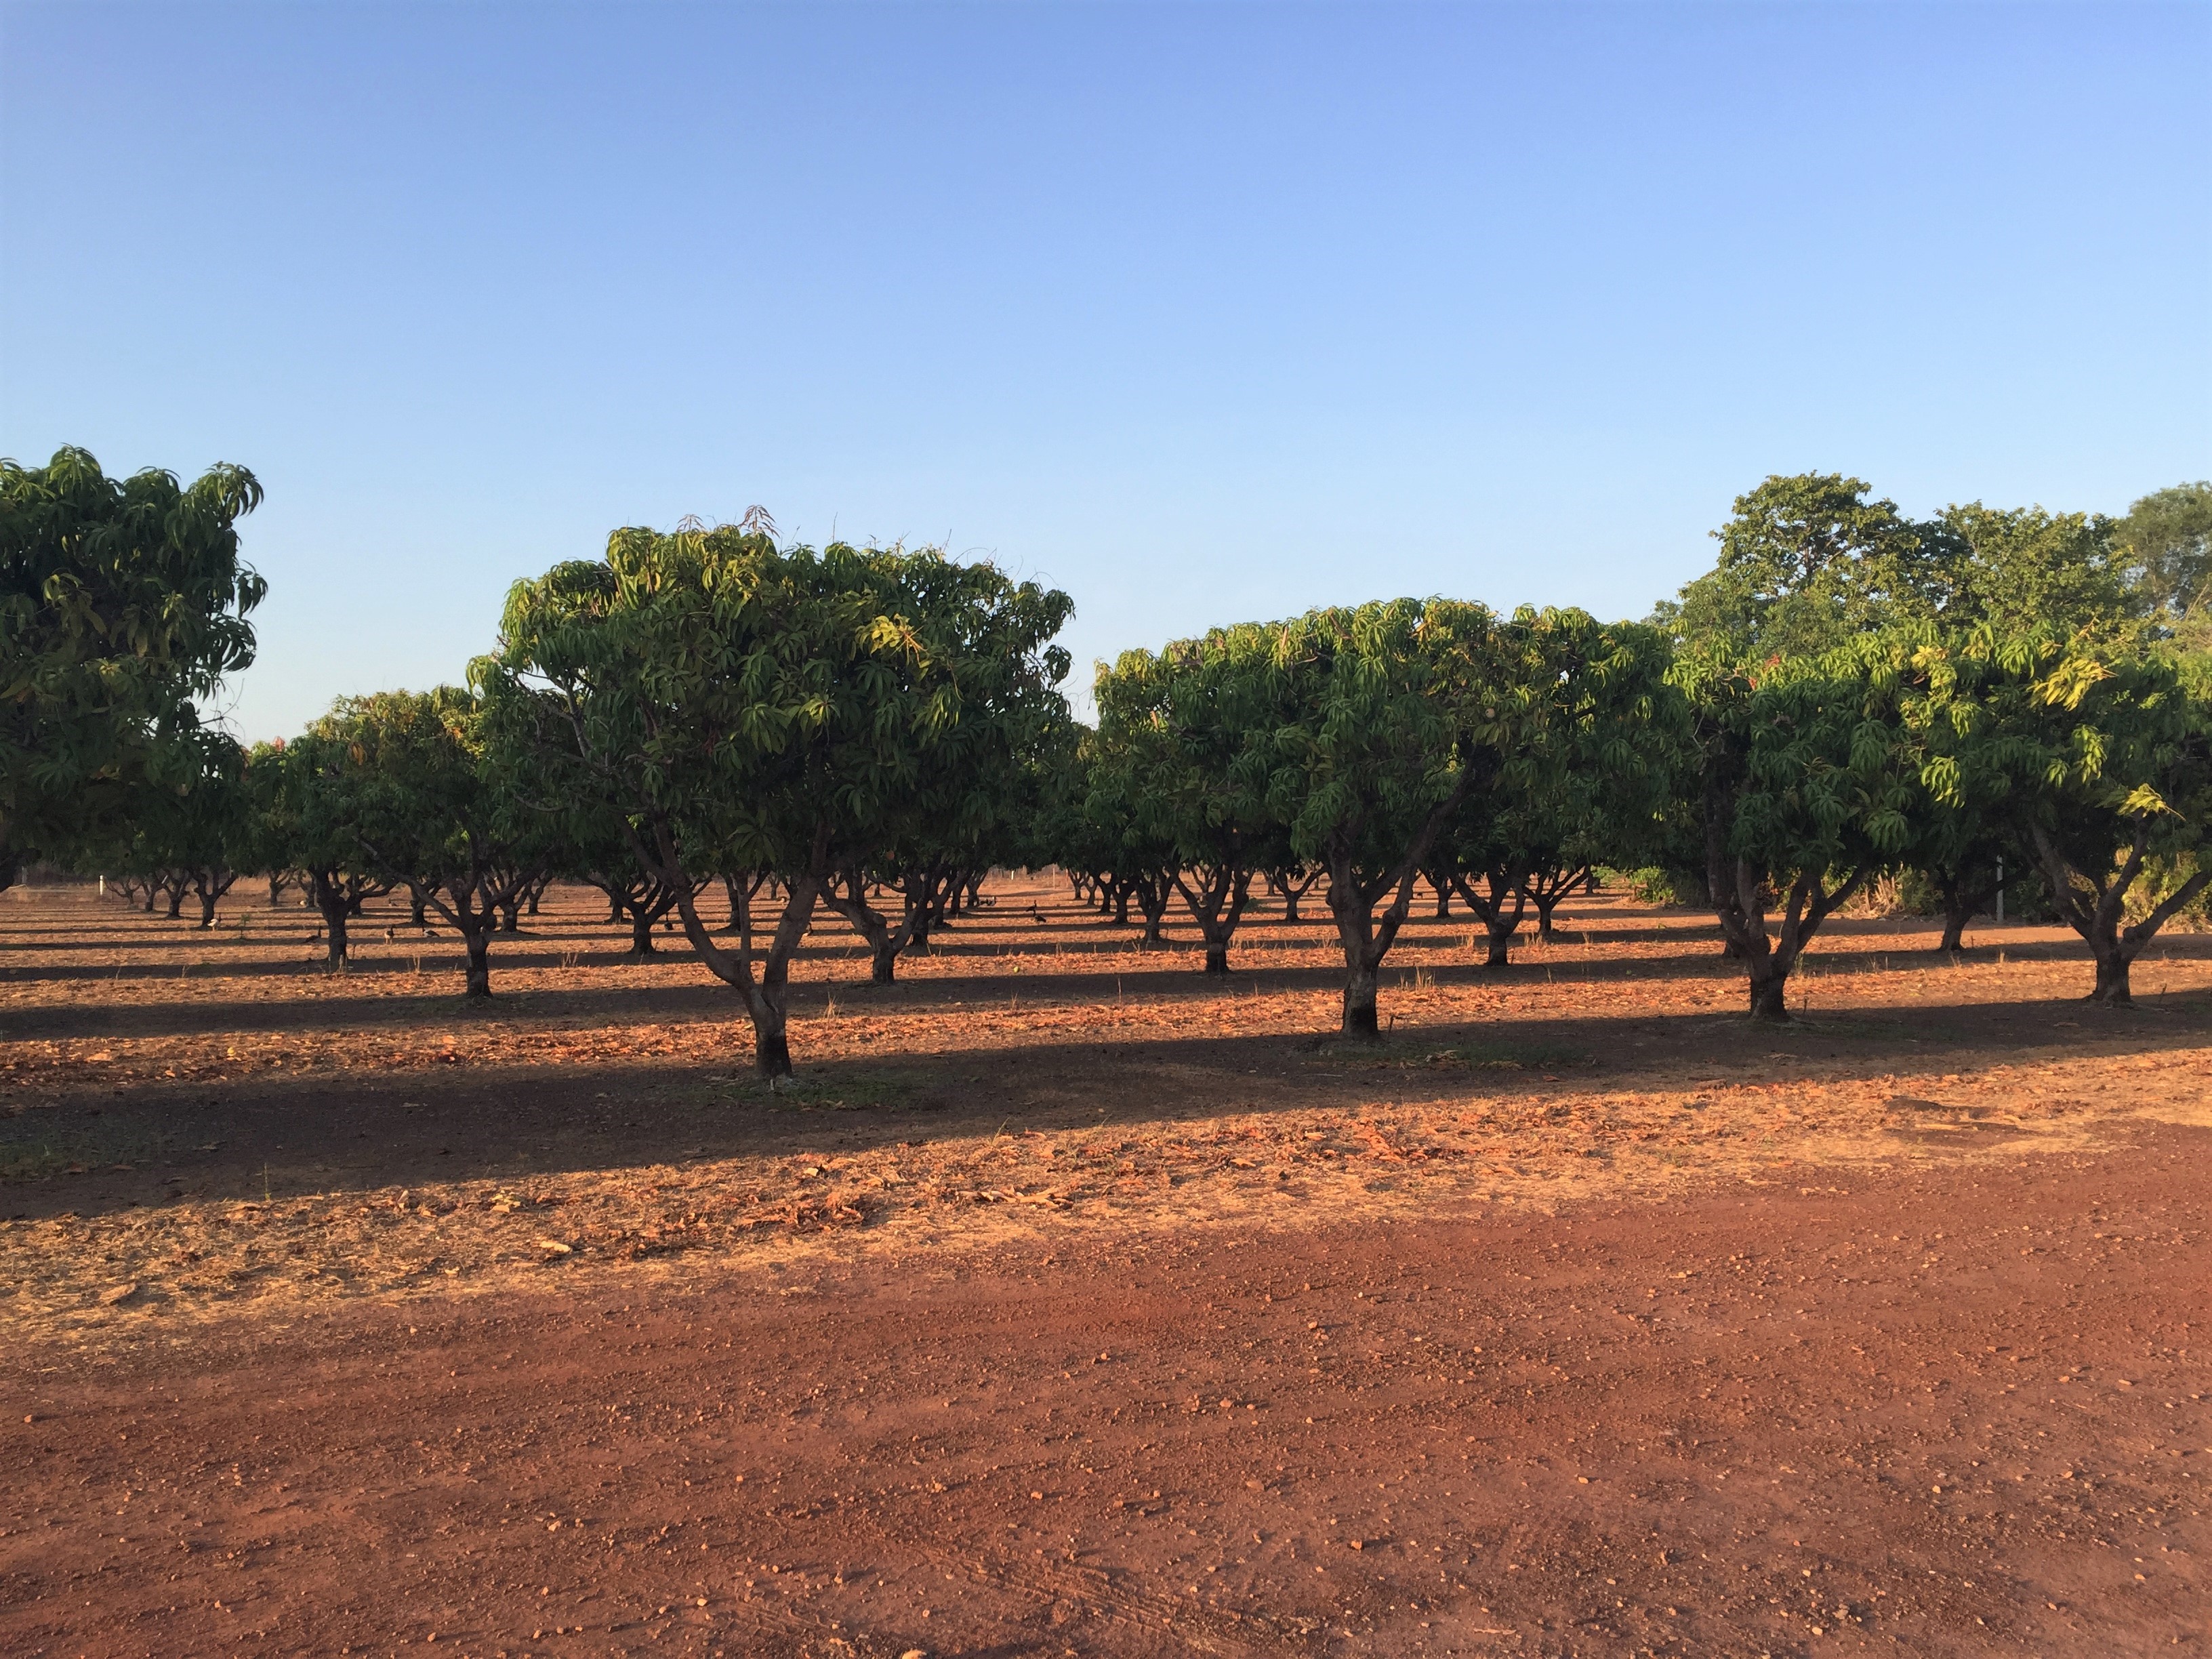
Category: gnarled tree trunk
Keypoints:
(1216, 904)
(2092, 902)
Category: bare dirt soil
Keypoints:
(1071, 1303)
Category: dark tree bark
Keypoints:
(751, 882)
(1546, 888)
(1152, 890)
(2093, 901)
(1500, 921)
(338, 895)
(1366, 939)
(1963, 898)
(1365, 936)
(924, 889)
(1291, 884)
(1739, 891)
(1217, 904)
(334, 906)
(210, 884)
(766, 994)
(845, 893)
(641, 900)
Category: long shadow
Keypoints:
(519, 1121)
(1170, 973)
(529, 950)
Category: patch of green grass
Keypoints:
(1517, 1056)
(38, 1154)
(835, 1088)
(1466, 1056)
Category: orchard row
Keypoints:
(1848, 695)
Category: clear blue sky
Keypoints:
(1202, 311)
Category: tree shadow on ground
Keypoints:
(353, 1130)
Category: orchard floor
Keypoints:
(1073, 1304)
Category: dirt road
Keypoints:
(1947, 1410)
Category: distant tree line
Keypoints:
(1989, 697)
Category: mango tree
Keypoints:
(194, 831)
(741, 706)
(307, 794)
(433, 810)
(1805, 791)
(1597, 733)
(123, 602)
(2102, 757)
(1387, 717)
(971, 782)
(1186, 737)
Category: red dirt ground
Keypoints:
(1884, 1334)
(1936, 1414)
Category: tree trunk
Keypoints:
(330, 903)
(275, 891)
(1544, 908)
(2112, 990)
(176, 902)
(640, 931)
(1443, 901)
(1360, 1025)
(510, 917)
(415, 915)
(1121, 895)
(1955, 918)
(207, 908)
(2095, 913)
(1217, 958)
(1770, 987)
(1498, 922)
(846, 895)
(479, 969)
(771, 1043)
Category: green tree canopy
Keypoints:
(430, 807)
(310, 799)
(1804, 792)
(122, 602)
(2166, 540)
(1601, 740)
(1183, 765)
(1806, 564)
(747, 707)
(1809, 563)
(2100, 757)
(2020, 568)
